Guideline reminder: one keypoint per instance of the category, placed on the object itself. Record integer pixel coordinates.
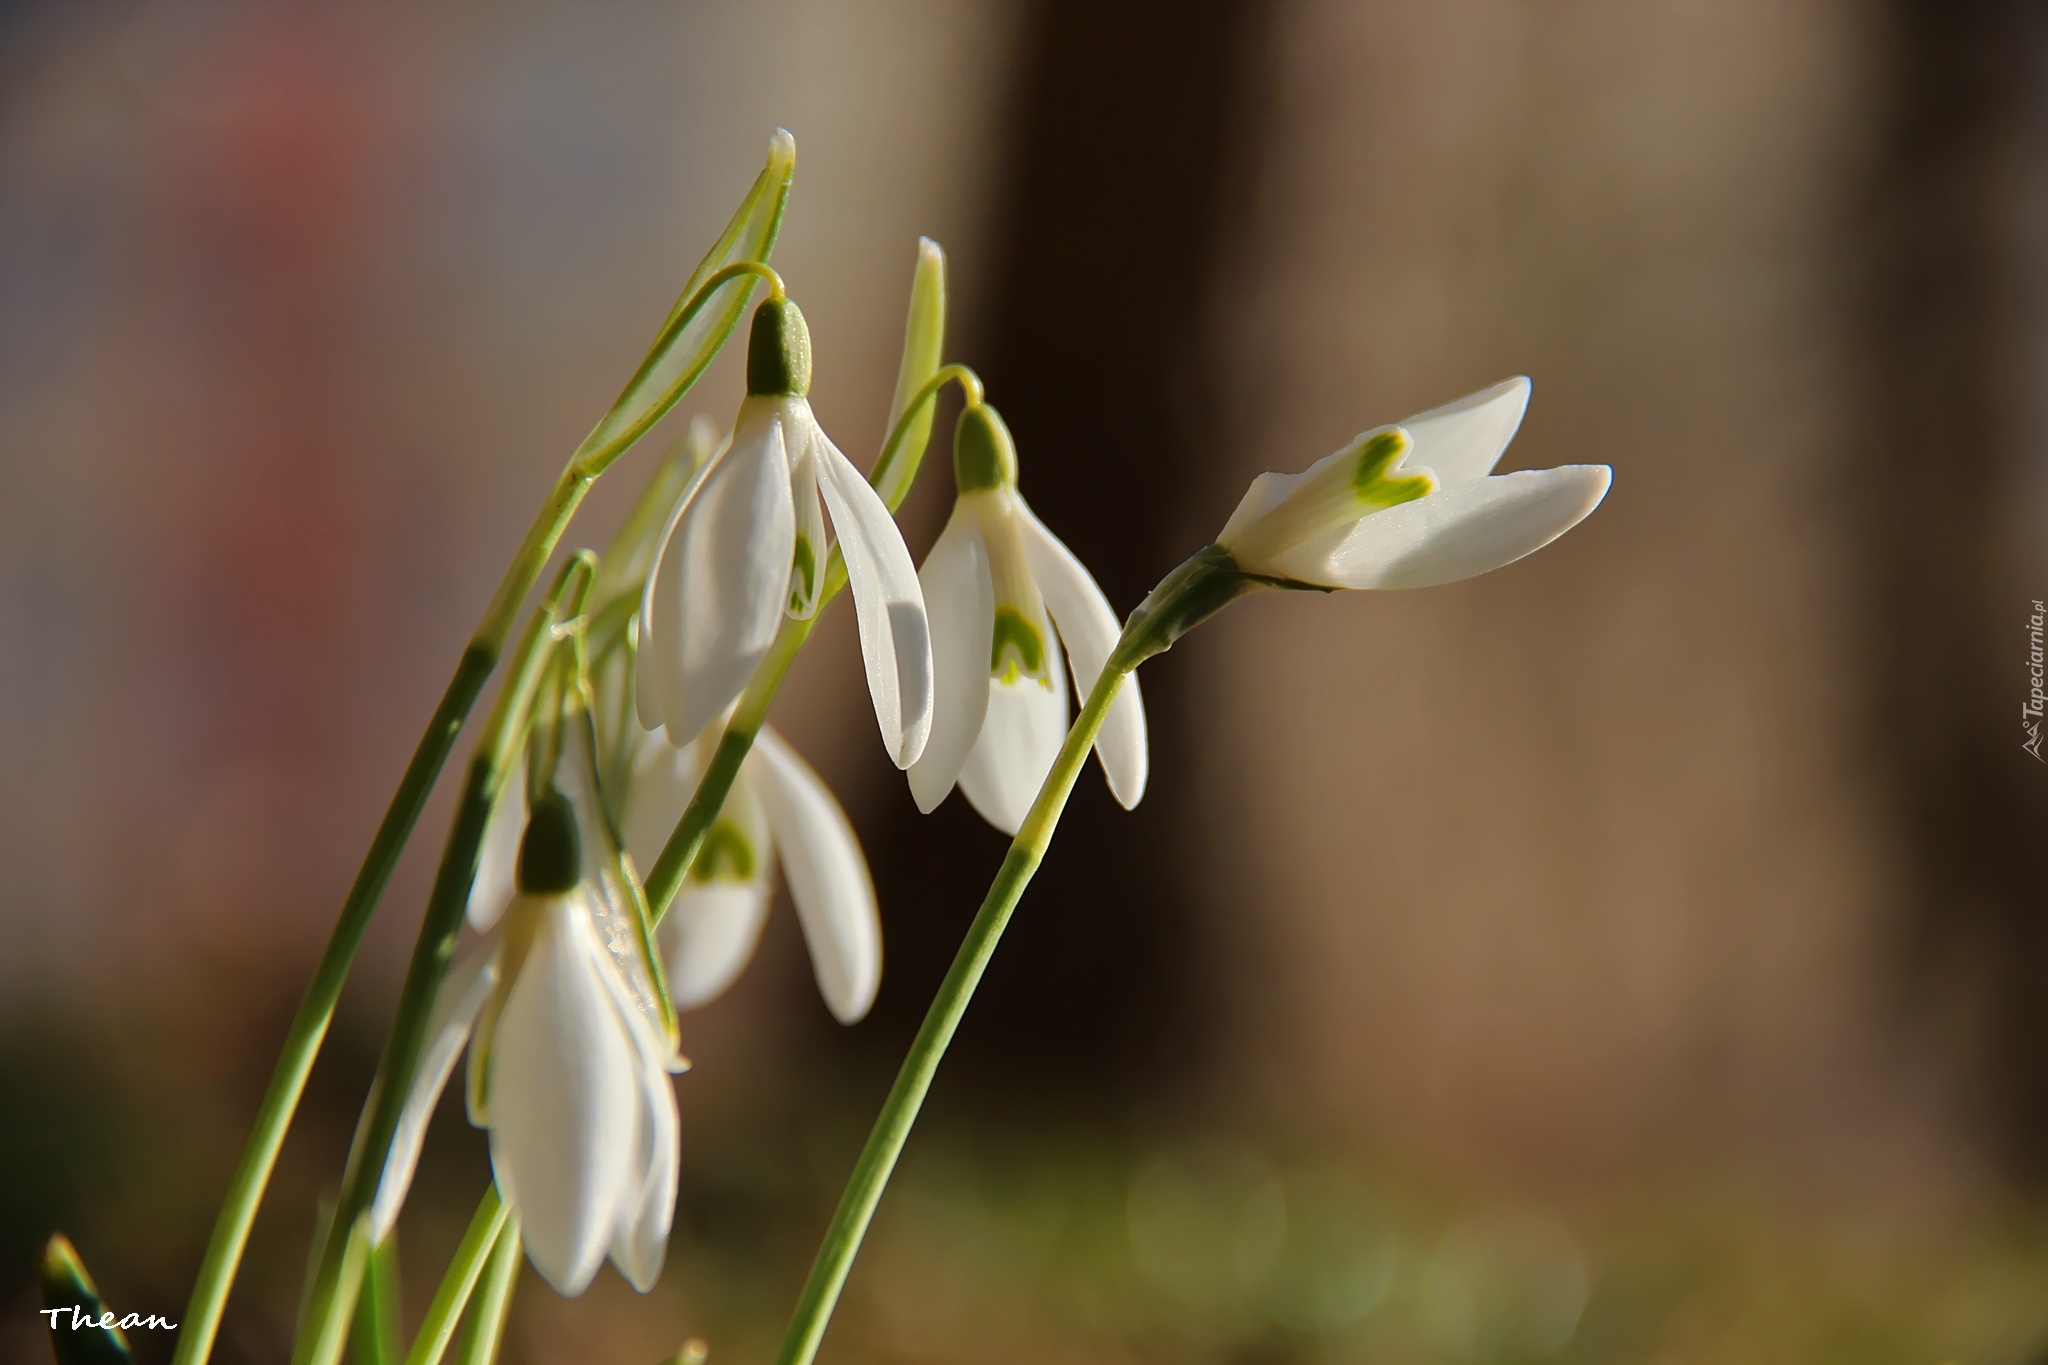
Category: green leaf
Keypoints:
(685, 346)
(83, 1330)
(924, 344)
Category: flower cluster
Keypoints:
(566, 1002)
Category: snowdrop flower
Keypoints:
(1412, 505)
(747, 545)
(998, 584)
(778, 809)
(569, 1048)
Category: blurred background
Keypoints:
(1640, 954)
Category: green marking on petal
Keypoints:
(1018, 648)
(803, 577)
(1370, 482)
(727, 855)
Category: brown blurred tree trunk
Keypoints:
(1126, 157)
(1951, 301)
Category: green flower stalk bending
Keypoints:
(689, 339)
(1191, 593)
(338, 1279)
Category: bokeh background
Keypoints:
(1638, 955)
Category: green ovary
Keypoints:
(726, 856)
(1018, 648)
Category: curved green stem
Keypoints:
(894, 486)
(494, 1304)
(1191, 593)
(752, 231)
(885, 1143)
(445, 1312)
(497, 752)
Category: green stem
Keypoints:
(906, 1096)
(497, 750)
(665, 878)
(1190, 594)
(316, 1010)
(375, 1340)
(445, 1312)
(487, 1316)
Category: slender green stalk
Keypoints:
(492, 1306)
(906, 1096)
(751, 234)
(1192, 592)
(497, 752)
(325, 1330)
(445, 1312)
(375, 1337)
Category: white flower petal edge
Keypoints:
(497, 857)
(709, 935)
(959, 596)
(895, 637)
(463, 992)
(714, 601)
(647, 1205)
(1466, 529)
(1463, 441)
(564, 1099)
(828, 877)
(1020, 738)
(1088, 626)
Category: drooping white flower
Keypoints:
(1412, 505)
(569, 1055)
(747, 545)
(998, 585)
(778, 810)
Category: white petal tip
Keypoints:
(782, 151)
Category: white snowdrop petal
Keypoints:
(709, 934)
(1020, 738)
(1463, 441)
(653, 668)
(1088, 626)
(1267, 492)
(497, 858)
(563, 1099)
(895, 637)
(828, 877)
(640, 1244)
(1466, 529)
(959, 597)
(717, 598)
(807, 564)
(463, 992)
(663, 781)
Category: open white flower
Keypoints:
(1412, 505)
(998, 584)
(569, 1056)
(747, 544)
(778, 809)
